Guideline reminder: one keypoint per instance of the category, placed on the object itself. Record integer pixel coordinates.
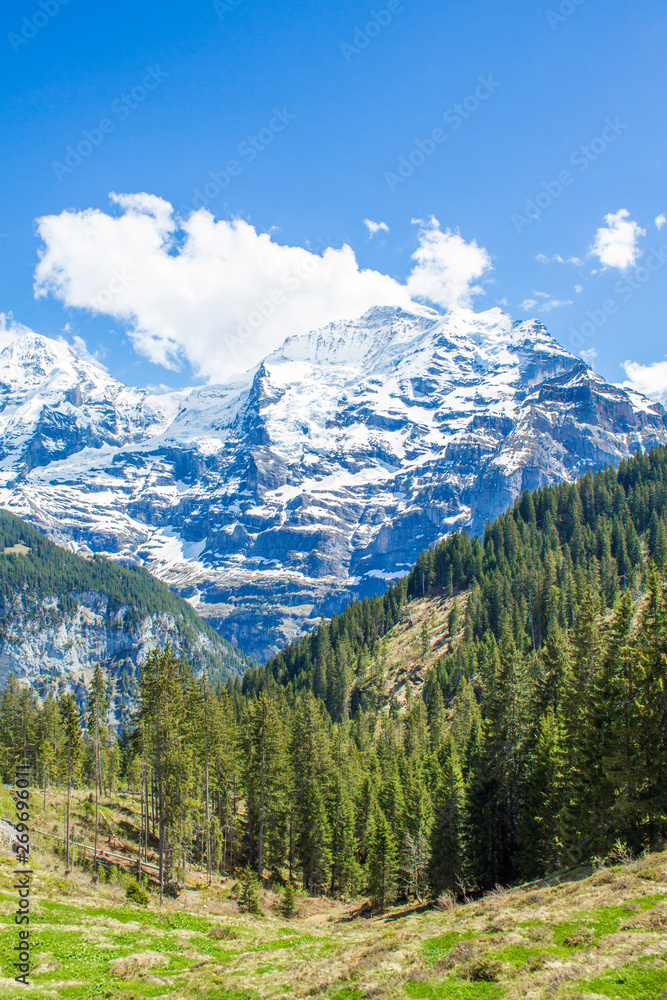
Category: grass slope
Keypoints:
(415, 644)
(581, 935)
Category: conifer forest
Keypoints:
(536, 740)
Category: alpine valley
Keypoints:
(320, 475)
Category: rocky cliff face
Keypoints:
(271, 502)
(53, 648)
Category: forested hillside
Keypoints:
(528, 574)
(39, 584)
(33, 562)
(548, 721)
(538, 739)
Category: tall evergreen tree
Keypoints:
(264, 773)
(381, 867)
(447, 840)
(312, 770)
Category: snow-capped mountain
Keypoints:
(322, 475)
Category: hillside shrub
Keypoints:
(136, 893)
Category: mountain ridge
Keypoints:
(322, 473)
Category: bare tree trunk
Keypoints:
(69, 792)
(209, 869)
(97, 782)
(147, 814)
(141, 800)
(160, 816)
(260, 861)
(291, 841)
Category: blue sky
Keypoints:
(483, 106)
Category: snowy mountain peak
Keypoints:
(34, 357)
(355, 341)
(319, 476)
(32, 361)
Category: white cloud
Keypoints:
(651, 380)
(616, 244)
(10, 329)
(555, 304)
(578, 289)
(660, 221)
(543, 302)
(446, 267)
(375, 227)
(589, 356)
(80, 348)
(218, 293)
(557, 259)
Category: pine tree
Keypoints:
(541, 799)
(288, 903)
(19, 716)
(494, 802)
(264, 771)
(447, 839)
(615, 770)
(50, 734)
(390, 795)
(578, 833)
(96, 712)
(381, 867)
(651, 695)
(163, 682)
(344, 867)
(312, 770)
(364, 807)
(436, 717)
(249, 892)
(226, 773)
(322, 658)
(554, 667)
(339, 682)
(424, 638)
(71, 756)
(9, 717)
